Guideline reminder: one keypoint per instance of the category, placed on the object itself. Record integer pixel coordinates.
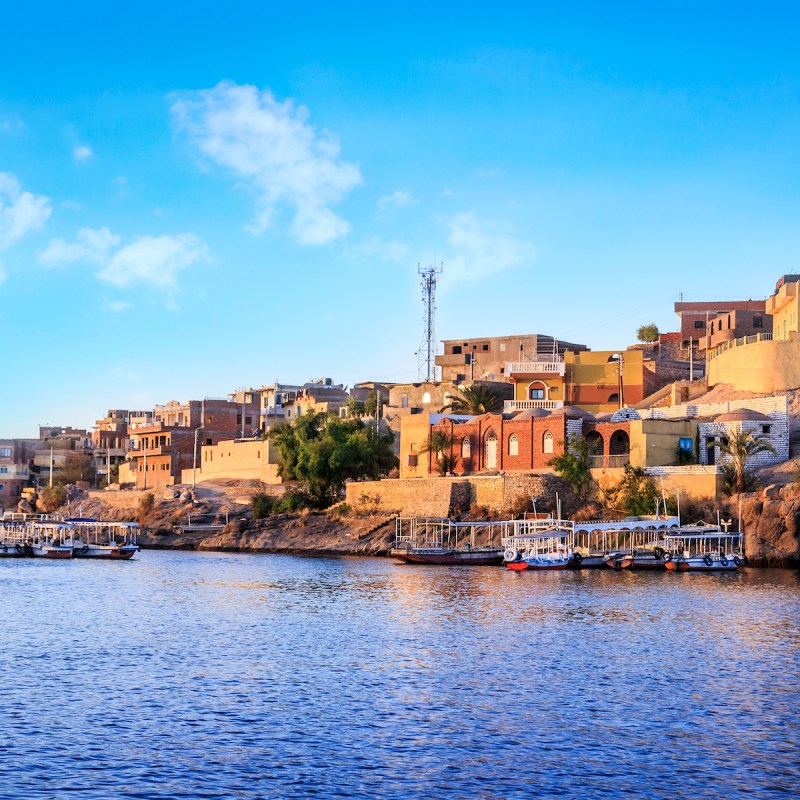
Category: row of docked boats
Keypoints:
(53, 537)
(646, 542)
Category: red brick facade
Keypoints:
(525, 444)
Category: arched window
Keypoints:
(537, 391)
(513, 446)
(466, 447)
(613, 398)
(426, 398)
(404, 401)
(547, 442)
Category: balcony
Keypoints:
(535, 368)
(525, 405)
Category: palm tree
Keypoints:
(474, 400)
(441, 445)
(740, 448)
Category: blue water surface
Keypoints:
(188, 675)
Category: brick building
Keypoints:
(695, 318)
(15, 473)
(159, 452)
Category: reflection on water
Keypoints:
(214, 675)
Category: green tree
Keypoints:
(77, 467)
(441, 445)
(740, 448)
(648, 333)
(636, 493)
(474, 400)
(355, 408)
(321, 452)
(574, 466)
(371, 403)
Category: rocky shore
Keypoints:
(771, 520)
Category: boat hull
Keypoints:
(107, 553)
(518, 566)
(473, 558)
(700, 565)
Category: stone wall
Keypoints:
(128, 500)
(443, 497)
(762, 367)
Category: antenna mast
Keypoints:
(426, 355)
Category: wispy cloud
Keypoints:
(71, 205)
(20, 212)
(376, 249)
(397, 199)
(93, 245)
(82, 152)
(116, 306)
(11, 123)
(149, 260)
(154, 261)
(271, 147)
(480, 248)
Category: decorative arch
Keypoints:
(466, 447)
(619, 444)
(613, 397)
(513, 445)
(426, 398)
(490, 450)
(547, 442)
(538, 390)
(596, 443)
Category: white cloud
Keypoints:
(91, 244)
(71, 205)
(480, 248)
(11, 122)
(82, 152)
(150, 260)
(117, 306)
(20, 212)
(375, 248)
(154, 261)
(271, 147)
(397, 199)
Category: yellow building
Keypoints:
(784, 306)
(654, 442)
(599, 382)
(238, 460)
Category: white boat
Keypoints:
(49, 540)
(703, 548)
(538, 545)
(105, 540)
(621, 544)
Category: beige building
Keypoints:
(467, 360)
(240, 459)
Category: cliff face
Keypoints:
(771, 521)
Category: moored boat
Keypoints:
(104, 540)
(50, 540)
(703, 548)
(441, 541)
(538, 545)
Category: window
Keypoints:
(699, 324)
(460, 376)
(426, 398)
(4, 470)
(547, 442)
(486, 347)
(613, 398)
(5, 452)
(466, 448)
(685, 443)
(502, 347)
(238, 419)
(209, 420)
(404, 401)
(513, 446)
(766, 428)
(758, 322)
(248, 420)
(537, 394)
(456, 349)
(209, 441)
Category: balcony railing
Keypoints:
(618, 460)
(534, 367)
(525, 405)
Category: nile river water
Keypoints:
(187, 675)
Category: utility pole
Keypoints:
(51, 467)
(144, 442)
(243, 399)
(194, 460)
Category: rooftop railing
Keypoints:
(534, 367)
(525, 405)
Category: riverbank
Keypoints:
(770, 517)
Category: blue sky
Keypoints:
(199, 197)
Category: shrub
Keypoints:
(263, 505)
(146, 505)
(52, 497)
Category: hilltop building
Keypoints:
(485, 359)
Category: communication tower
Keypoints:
(426, 355)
